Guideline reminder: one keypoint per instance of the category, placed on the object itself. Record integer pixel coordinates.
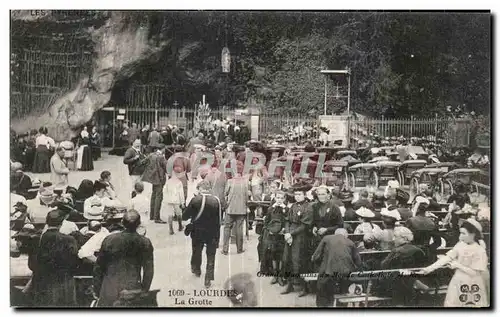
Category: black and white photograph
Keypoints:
(250, 159)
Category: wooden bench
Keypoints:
(367, 278)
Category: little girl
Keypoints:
(469, 285)
(273, 240)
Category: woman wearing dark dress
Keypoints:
(54, 265)
(43, 152)
(30, 150)
(84, 159)
(95, 141)
(85, 190)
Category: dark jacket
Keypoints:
(327, 215)
(423, 230)
(207, 227)
(53, 268)
(119, 264)
(155, 138)
(338, 256)
(135, 165)
(401, 289)
(156, 169)
(404, 257)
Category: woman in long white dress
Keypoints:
(469, 286)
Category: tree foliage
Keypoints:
(402, 63)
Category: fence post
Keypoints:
(435, 127)
(411, 127)
(383, 126)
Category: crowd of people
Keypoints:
(34, 150)
(303, 226)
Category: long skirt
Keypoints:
(41, 163)
(54, 291)
(84, 162)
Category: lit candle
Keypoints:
(203, 99)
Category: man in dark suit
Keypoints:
(205, 213)
(133, 158)
(363, 201)
(339, 257)
(122, 257)
(156, 174)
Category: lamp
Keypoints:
(226, 60)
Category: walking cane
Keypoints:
(246, 226)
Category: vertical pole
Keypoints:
(156, 117)
(436, 127)
(324, 112)
(114, 126)
(411, 127)
(349, 107)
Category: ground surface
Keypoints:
(172, 255)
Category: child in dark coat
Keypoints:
(273, 237)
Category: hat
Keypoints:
(16, 200)
(365, 213)
(136, 142)
(95, 213)
(300, 187)
(392, 213)
(476, 224)
(375, 150)
(47, 195)
(422, 200)
(16, 166)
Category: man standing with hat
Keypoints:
(122, 257)
(298, 220)
(156, 174)
(58, 169)
(133, 158)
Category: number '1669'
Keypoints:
(176, 292)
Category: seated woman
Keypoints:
(93, 207)
(405, 255)
(460, 198)
(106, 179)
(20, 183)
(383, 239)
(423, 229)
(365, 216)
(365, 227)
(19, 215)
(96, 234)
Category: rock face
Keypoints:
(121, 47)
